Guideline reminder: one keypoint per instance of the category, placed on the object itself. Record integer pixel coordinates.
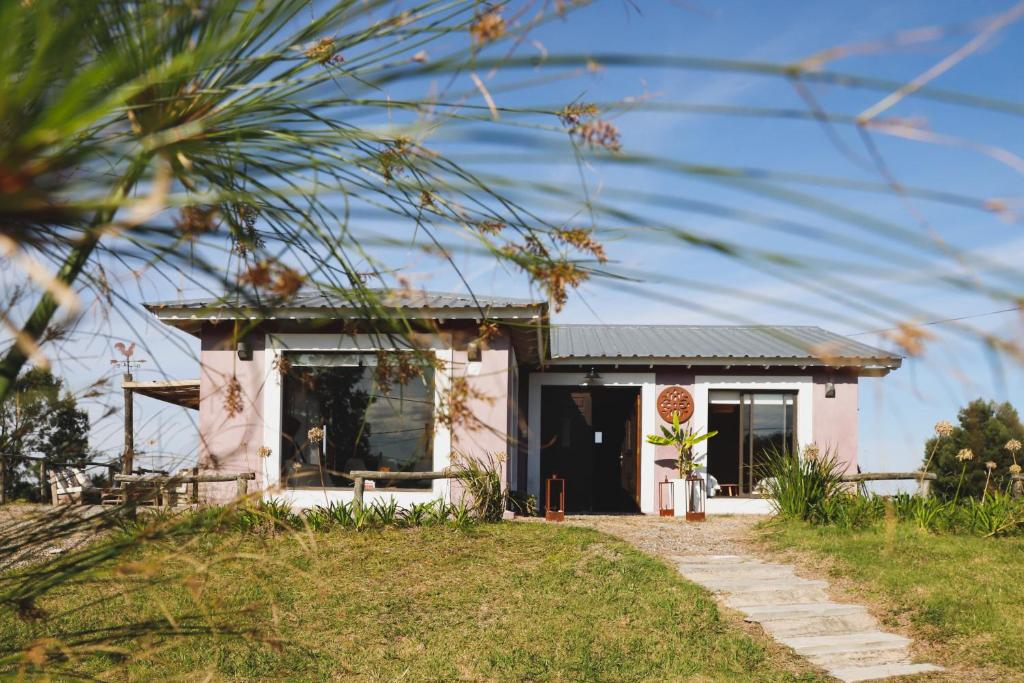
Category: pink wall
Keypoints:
(486, 434)
(665, 456)
(227, 443)
(835, 419)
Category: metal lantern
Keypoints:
(696, 493)
(666, 498)
(552, 514)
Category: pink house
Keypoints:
(572, 400)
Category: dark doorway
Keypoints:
(591, 437)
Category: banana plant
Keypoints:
(683, 438)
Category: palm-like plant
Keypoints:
(683, 438)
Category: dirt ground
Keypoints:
(31, 533)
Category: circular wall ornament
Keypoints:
(675, 400)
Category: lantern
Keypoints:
(696, 493)
(666, 498)
(552, 514)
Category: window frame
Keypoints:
(278, 344)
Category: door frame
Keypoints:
(647, 383)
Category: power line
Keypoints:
(940, 322)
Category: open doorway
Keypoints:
(750, 426)
(591, 437)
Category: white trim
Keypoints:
(803, 385)
(647, 383)
(304, 498)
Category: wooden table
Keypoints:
(730, 490)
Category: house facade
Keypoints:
(306, 393)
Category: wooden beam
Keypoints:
(376, 475)
(891, 476)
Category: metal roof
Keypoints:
(317, 299)
(703, 343)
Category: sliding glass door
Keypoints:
(750, 425)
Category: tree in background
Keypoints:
(984, 430)
(39, 419)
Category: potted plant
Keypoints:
(682, 438)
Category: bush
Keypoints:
(800, 486)
(482, 479)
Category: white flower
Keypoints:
(943, 428)
(1012, 445)
(965, 454)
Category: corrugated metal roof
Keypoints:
(313, 299)
(708, 342)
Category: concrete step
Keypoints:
(809, 609)
(813, 645)
(774, 596)
(747, 574)
(729, 569)
(841, 624)
(741, 585)
(711, 559)
(874, 655)
(852, 674)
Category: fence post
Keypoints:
(240, 487)
(3, 478)
(357, 496)
(44, 486)
(194, 487)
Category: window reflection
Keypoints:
(363, 426)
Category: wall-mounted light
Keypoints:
(473, 352)
(830, 390)
(592, 378)
(244, 350)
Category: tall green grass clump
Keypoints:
(801, 487)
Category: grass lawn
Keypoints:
(506, 602)
(962, 596)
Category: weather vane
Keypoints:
(128, 363)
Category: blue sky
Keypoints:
(897, 412)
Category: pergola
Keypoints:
(179, 392)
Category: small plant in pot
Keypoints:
(682, 438)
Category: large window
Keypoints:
(361, 425)
(750, 426)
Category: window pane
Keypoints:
(364, 427)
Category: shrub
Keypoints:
(800, 486)
(523, 503)
(482, 479)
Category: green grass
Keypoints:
(962, 595)
(505, 602)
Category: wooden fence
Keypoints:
(924, 479)
(359, 478)
(163, 486)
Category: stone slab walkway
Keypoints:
(843, 639)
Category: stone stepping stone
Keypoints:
(843, 639)
(852, 674)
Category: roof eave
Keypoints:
(885, 364)
(190, 319)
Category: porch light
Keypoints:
(696, 494)
(554, 511)
(244, 350)
(666, 498)
(830, 390)
(592, 378)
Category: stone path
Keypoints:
(843, 639)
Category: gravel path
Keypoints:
(667, 536)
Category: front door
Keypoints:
(590, 437)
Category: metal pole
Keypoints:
(129, 428)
